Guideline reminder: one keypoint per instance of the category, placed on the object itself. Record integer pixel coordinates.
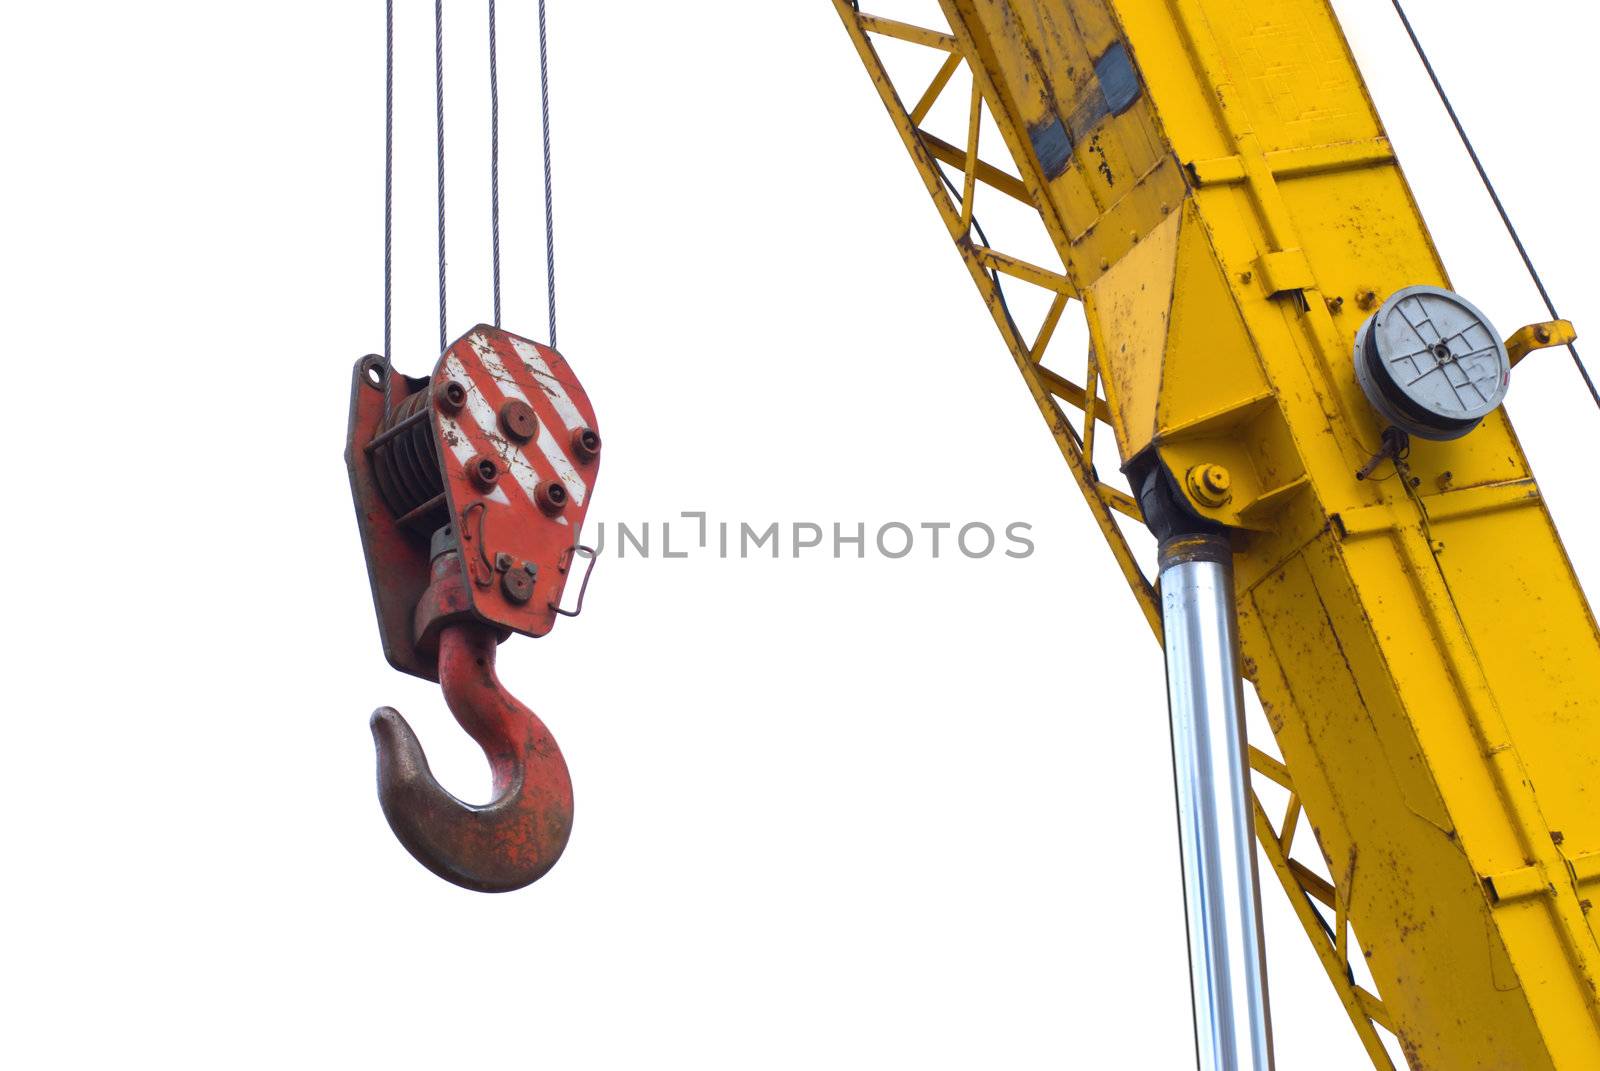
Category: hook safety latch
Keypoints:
(583, 589)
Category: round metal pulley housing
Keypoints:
(1431, 364)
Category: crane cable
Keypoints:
(388, 180)
(549, 200)
(494, 169)
(438, 98)
(1494, 196)
(494, 161)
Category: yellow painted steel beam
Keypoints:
(987, 173)
(1023, 354)
(1538, 337)
(1227, 206)
(1072, 446)
(1362, 1013)
(930, 96)
(905, 31)
(1021, 269)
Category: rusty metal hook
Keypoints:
(499, 846)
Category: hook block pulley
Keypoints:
(470, 488)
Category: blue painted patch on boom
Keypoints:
(1112, 91)
(1118, 82)
(1052, 145)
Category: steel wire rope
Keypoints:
(1494, 195)
(494, 160)
(438, 98)
(388, 180)
(549, 196)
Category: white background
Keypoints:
(861, 814)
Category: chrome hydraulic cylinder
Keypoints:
(1227, 964)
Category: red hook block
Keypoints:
(471, 487)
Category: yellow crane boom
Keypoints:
(1229, 213)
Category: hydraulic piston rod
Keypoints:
(1228, 976)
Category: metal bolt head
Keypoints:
(517, 584)
(503, 562)
(517, 419)
(453, 396)
(1366, 299)
(551, 496)
(484, 472)
(1211, 485)
(586, 444)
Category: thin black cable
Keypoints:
(1494, 196)
(438, 97)
(494, 161)
(994, 276)
(388, 179)
(549, 200)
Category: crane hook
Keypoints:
(499, 846)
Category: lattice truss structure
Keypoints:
(959, 181)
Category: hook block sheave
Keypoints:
(471, 487)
